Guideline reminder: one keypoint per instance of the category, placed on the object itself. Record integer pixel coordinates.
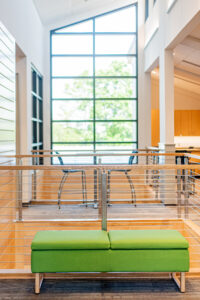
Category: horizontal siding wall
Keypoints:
(7, 93)
(7, 147)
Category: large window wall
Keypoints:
(94, 83)
(37, 111)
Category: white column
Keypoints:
(167, 177)
(166, 98)
(144, 86)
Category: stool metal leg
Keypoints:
(84, 188)
(83, 193)
(133, 196)
(64, 178)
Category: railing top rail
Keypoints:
(192, 156)
(93, 155)
(94, 151)
(153, 148)
(102, 167)
(187, 150)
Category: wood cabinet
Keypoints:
(186, 123)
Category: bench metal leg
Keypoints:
(38, 282)
(180, 282)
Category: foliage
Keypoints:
(104, 109)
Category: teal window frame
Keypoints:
(94, 143)
(37, 112)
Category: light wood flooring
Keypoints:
(115, 211)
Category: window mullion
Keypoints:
(94, 93)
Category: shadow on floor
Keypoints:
(99, 289)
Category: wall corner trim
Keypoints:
(171, 6)
(151, 37)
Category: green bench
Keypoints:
(113, 251)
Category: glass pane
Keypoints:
(40, 109)
(116, 131)
(72, 110)
(86, 26)
(116, 110)
(72, 66)
(73, 132)
(122, 20)
(125, 149)
(34, 81)
(34, 107)
(118, 147)
(74, 149)
(72, 44)
(115, 66)
(40, 86)
(116, 88)
(40, 133)
(72, 88)
(115, 44)
(34, 131)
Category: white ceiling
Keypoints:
(54, 10)
(187, 53)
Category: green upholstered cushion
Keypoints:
(70, 261)
(110, 260)
(70, 239)
(147, 239)
(150, 260)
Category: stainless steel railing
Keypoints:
(29, 202)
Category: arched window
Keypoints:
(94, 83)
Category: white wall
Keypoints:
(7, 94)
(184, 97)
(173, 27)
(144, 85)
(22, 21)
(164, 29)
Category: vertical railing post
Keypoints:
(98, 172)
(97, 176)
(186, 189)
(34, 179)
(157, 177)
(179, 189)
(19, 191)
(192, 181)
(104, 200)
(147, 162)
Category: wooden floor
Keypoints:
(116, 211)
(144, 289)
